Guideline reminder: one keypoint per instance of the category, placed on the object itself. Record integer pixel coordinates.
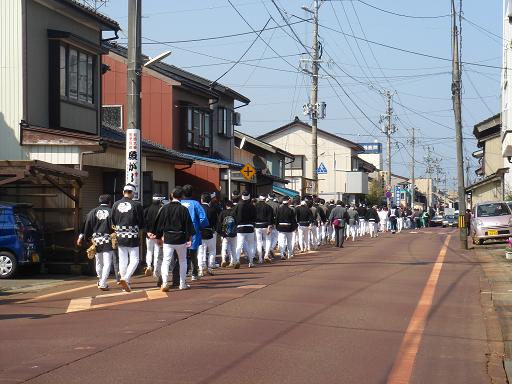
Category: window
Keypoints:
(225, 117)
(112, 116)
(198, 128)
(298, 163)
(76, 75)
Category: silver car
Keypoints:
(491, 220)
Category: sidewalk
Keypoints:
(496, 299)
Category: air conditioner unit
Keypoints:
(237, 119)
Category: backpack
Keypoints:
(229, 226)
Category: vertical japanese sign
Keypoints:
(133, 169)
(397, 195)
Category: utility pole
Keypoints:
(413, 181)
(456, 98)
(389, 130)
(314, 97)
(133, 126)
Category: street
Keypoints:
(403, 308)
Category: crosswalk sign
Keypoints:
(321, 170)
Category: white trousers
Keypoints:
(228, 249)
(244, 241)
(181, 251)
(303, 234)
(372, 227)
(313, 237)
(400, 224)
(207, 252)
(362, 227)
(128, 261)
(352, 231)
(263, 242)
(285, 240)
(273, 238)
(153, 253)
(384, 225)
(103, 265)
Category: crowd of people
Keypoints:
(181, 233)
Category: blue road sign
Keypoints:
(321, 170)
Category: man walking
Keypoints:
(263, 229)
(153, 254)
(208, 249)
(200, 221)
(352, 223)
(127, 221)
(245, 216)
(286, 224)
(339, 218)
(373, 221)
(272, 201)
(304, 220)
(98, 228)
(226, 227)
(175, 225)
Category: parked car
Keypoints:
(450, 221)
(436, 221)
(21, 239)
(491, 220)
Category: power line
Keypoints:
(401, 14)
(222, 36)
(403, 49)
(243, 54)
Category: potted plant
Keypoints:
(508, 249)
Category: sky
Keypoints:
(357, 67)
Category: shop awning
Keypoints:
(285, 191)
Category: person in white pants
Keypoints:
(263, 229)
(153, 248)
(98, 228)
(127, 221)
(303, 237)
(305, 219)
(399, 220)
(174, 224)
(207, 251)
(245, 216)
(286, 223)
(226, 228)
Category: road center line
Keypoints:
(402, 368)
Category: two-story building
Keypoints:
(343, 174)
(180, 111)
(269, 162)
(490, 185)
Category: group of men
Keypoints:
(181, 232)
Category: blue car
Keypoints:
(21, 239)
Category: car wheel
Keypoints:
(480, 241)
(8, 265)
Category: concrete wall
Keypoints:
(11, 78)
(486, 192)
(493, 160)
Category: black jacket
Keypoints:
(150, 214)
(98, 227)
(285, 219)
(127, 220)
(362, 211)
(264, 215)
(245, 216)
(304, 215)
(372, 215)
(173, 222)
(220, 222)
(212, 215)
(274, 205)
(321, 213)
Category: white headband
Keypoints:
(129, 187)
(246, 197)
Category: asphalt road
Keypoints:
(401, 308)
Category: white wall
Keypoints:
(11, 78)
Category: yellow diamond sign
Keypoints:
(248, 172)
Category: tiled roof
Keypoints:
(107, 21)
(118, 135)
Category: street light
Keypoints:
(158, 58)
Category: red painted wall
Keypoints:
(156, 100)
(201, 177)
